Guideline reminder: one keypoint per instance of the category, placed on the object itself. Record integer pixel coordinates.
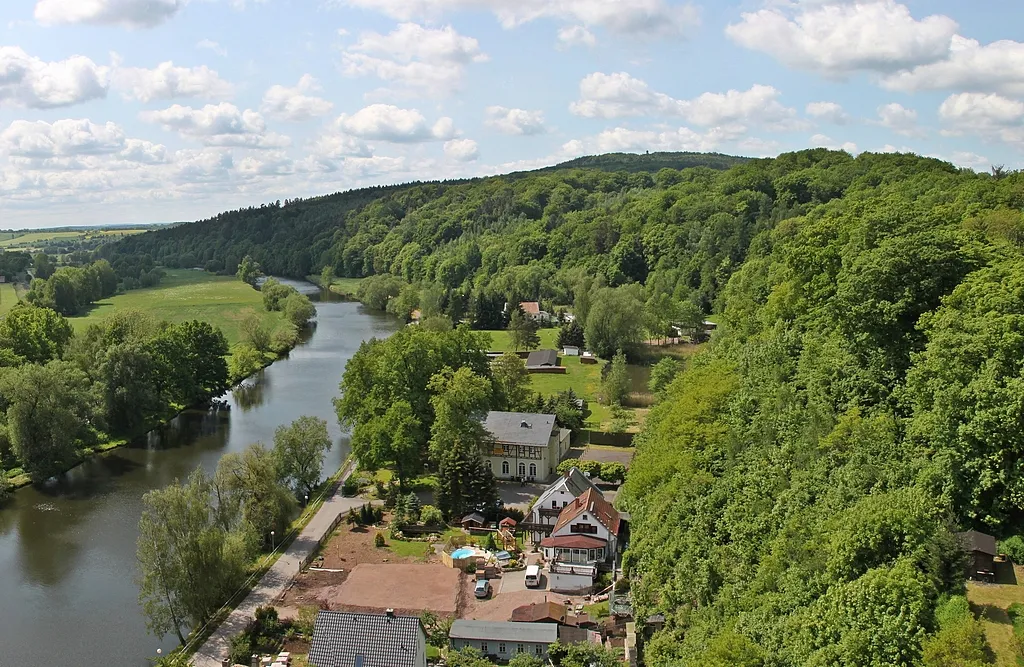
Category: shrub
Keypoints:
(592, 468)
(470, 567)
(511, 512)
(412, 508)
(1013, 547)
(567, 465)
(431, 516)
(349, 487)
(378, 540)
(622, 585)
(382, 492)
(306, 620)
(613, 472)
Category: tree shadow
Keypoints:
(991, 612)
(1005, 573)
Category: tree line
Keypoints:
(60, 393)
(796, 492)
(416, 401)
(198, 539)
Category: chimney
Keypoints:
(524, 424)
(255, 660)
(390, 613)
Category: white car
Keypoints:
(482, 589)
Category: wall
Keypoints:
(569, 583)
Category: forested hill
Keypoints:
(530, 224)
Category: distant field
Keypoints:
(8, 297)
(345, 285)
(501, 342)
(223, 301)
(33, 239)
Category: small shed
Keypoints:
(542, 359)
(570, 351)
(588, 358)
(981, 548)
(507, 522)
(474, 520)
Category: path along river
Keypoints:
(67, 551)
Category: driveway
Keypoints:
(517, 495)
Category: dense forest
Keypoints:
(797, 489)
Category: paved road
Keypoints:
(277, 578)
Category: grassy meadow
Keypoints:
(185, 294)
(32, 239)
(8, 297)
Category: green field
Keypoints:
(347, 286)
(29, 240)
(583, 379)
(8, 297)
(185, 294)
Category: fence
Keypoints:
(610, 439)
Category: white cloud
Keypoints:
(838, 38)
(269, 164)
(682, 139)
(827, 111)
(26, 81)
(385, 122)
(996, 67)
(462, 150)
(293, 104)
(824, 141)
(619, 94)
(639, 18)
(969, 159)
(992, 117)
(575, 35)
(144, 152)
(167, 82)
(128, 13)
(218, 125)
(899, 119)
(210, 45)
(758, 147)
(202, 166)
(515, 121)
(62, 138)
(429, 59)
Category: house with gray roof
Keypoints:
(342, 639)
(541, 359)
(524, 445)
(504, 640)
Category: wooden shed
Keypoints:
(981, 549)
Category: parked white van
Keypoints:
(533, 576)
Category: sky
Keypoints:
(130, 111)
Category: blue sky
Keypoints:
(117, 111)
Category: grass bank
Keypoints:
(186, 294)
(8, 298)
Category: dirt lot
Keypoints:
(604, 454)
(408, 588)
(347, 548)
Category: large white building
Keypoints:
(554, 499)
(525, 445)
(586, 532)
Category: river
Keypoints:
(67, 551)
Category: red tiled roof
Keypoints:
(507, 521)
(591, 501)
(530, 307)
(574, 542)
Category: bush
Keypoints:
(622, 585)
(613, 472)
(378, 540)
(412, 508)
(470, 567)
(1013, 547)
(567, 465)
(306, 620)
(592, 468)
(511, 512)
(431, 516)
(349, 487)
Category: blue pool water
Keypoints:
(462, 553)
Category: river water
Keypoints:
(67, 551)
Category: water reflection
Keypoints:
(250, 394)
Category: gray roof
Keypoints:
(578, 483)
(972, 540)
(537, 633)
(382, 641)
(507, 428)
(542, 358)
(475, 516)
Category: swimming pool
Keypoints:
(463, 552)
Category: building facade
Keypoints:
(525, 446)
(503, 640)
(554, 499)
(586, 532)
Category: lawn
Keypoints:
(185, 294)
(990, 602)
(584, 379)
(8, 298)
(409, 549)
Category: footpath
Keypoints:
(277, 578)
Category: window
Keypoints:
(519, 648)
(483, 647)
(501, 647)
(533, 470)
(488, 464)
(504, 467)
(538, 649)
(554, 504)
(590, 555)
(522, 470)
(583, 528)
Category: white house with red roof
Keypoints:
(587, 531)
